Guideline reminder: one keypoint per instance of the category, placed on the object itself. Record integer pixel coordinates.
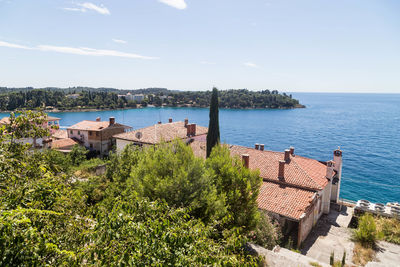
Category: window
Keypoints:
(79, 132)
(91, 146)
(90, 133)
(71, 132)
(97, 133)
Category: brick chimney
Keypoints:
(98, 119)
(281, 171)
(246, 160)
(193, 129)
(186, 122)
(262, 147)
(257, 146)
(159, 122)
(329, 169)
(287, 155)
(189, 129)
(292, 151)
(112, 120)
(170, 120)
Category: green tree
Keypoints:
(239, 185)
(78, 154)
(172, 173)
(366, 232)
(213, 127)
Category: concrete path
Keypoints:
(330, 235)
(279, 257)
(388, 255)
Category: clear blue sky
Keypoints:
(288, 45)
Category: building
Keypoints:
(96, 135)
(138, 97)
(63, 145)
(49, 122)
(296, 190)
(157, 133)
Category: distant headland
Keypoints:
(93, 99)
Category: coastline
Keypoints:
(151, 106)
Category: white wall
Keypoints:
(121, 144)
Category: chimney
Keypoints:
(112, 120)
(329, 169)
(257, 146)
(170, 120)
(292, 151)
(287, 155)
(262, 147)
(186, 122)
(159, 122)
(98, 119)
(189, 129)
(193, 131)
(281, 172)
(246, 160)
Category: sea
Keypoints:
(366, 127)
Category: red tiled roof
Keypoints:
(287, 201)
(94, 125)
(60, 134)
(62, 143)
(299, 171)
(161, 132)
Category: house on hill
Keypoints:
(296, 190)
(52, 124)
(96, 135)
(160, 132)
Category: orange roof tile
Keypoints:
(60, 134)
(299, 171)
(94, 125)
(161, 132)
(288, 201)
(62, 143)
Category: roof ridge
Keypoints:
(306, 173)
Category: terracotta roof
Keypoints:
(161, 132)
(5, 120)
(94, 125)
(288, 201)
(299, 171)
(50, 118)
(62, 143)
(60, 134)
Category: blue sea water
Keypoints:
(365, 126)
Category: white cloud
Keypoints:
(119, 41)
(6, 44)
(179, 4)
(207, 63)
(84, 51)
(250, 64)
(83, 7)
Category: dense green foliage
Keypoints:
(152, 207)
(389, 229)
(107, 98)
(366, 232)
(213, 126)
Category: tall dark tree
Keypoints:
(213, 127)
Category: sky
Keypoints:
(287, 45)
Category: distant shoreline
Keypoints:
(149, 106)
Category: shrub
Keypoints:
(266, 234)
(366, 232)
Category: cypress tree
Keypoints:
(213, 127)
